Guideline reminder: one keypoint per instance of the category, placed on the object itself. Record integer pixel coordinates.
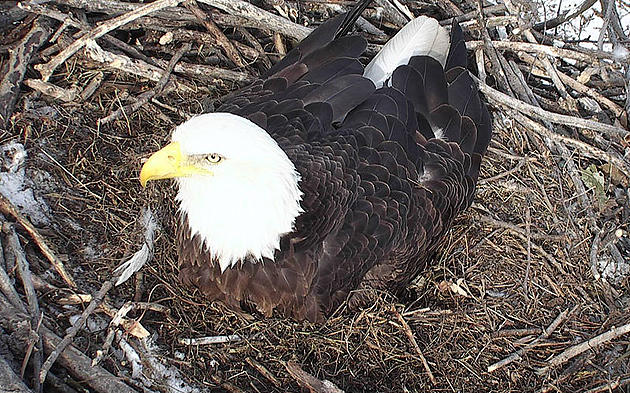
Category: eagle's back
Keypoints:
(380, 189)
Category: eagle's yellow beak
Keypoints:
(167, 163)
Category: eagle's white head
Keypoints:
(237, 187)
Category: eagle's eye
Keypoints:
(213, 158)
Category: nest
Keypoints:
(528, 293)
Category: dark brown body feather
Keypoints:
(379, 189)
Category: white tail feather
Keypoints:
(421, 36)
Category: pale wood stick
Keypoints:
(390, 13)
(306, 380)
(260, 18)
(539, 48)
(209, 73)
(575, 350)
(506, 101)
(54, 91)
(47, 69)
(577, 86)
(210, 340)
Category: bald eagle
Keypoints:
(326, 178)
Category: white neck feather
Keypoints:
(252, 199)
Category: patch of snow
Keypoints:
(17, 187)
(165, 376)
(612, 271)
(621, 53)
(132, 357)
(92, 324)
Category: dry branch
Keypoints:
(6, 207)
(155, 92)
(260, 18)
(264, 372)
(505, 100)
(577, 86)
(47, 69)
(32, 302)
(9, 381)
(575, 350)
(19, 59)
(213, 29)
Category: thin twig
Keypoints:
(517, 229)
(415, 345)
(543, 336)
(155, 92)
(263, 371)
(78, 325)
(585, 148)
(564, 17)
